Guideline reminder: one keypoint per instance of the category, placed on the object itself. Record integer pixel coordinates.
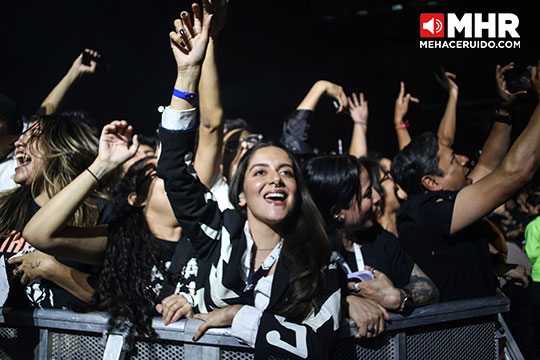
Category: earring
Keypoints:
(338, 218)
(240, 197)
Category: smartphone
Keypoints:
(87, 58)
(363, 275)
(518, 79)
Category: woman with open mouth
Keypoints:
(51, 153)
(266, 263)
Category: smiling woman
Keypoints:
(54, 150)
(137, 249)
(266, 263)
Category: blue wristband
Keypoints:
(184, 95)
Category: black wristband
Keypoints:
(507, 119)
(100, 184)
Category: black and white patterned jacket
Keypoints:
(220, 242)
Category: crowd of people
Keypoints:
(280, 243)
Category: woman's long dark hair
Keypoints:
(305, 251)
(336, 180)
(124, 288)
(374, 170)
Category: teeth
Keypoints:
(23, 158)
(279, 196)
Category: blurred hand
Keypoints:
(381, 290)
(217, 318)
(114, 148)
(33, 266)
(402, 104)
(447, 82)
(189, 41)
(334, 91)
(367, 314)
(519, 274)
(358, 108)
(506, 98)
(173, 308)
(79, 68)
(217, 8)
(535, 79)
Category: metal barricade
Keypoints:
(465, 329)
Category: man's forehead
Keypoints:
(446, 150)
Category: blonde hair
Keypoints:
(68, 146)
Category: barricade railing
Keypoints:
(464, 329)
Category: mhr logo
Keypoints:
(496, 25)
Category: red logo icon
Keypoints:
(432, 25)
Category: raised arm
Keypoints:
(447, 126)
(53, 101)
(46, 230)
(498, 141)
(400, 110)
(192, 203)
(358, 108)
(516, 170)
(320, 88)
(209, 150)
(295, 127)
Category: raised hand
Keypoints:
(114, 147)
(190, 39)
(217, 318)
(535, 79)
(173, 308)
(447, 81)
(506, 98)
(402, 104)
(217, 8)
(358, 108)
(79, 68)
(335, 91)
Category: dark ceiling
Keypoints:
(270, 54)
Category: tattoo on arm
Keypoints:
(422, 288)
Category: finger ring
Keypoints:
(373, 271)
(17, 271)
(371, 330)
(355, 286)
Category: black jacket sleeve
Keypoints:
(295, 132)
(193, 204)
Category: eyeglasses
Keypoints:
(233, 144)
(387, 176)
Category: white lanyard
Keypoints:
(359, 257)
(254, 277)
(272, 258)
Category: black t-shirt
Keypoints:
(188, 271)
(460, 264)
(382, 251)
(44, 293)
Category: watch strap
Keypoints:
(507, 119)
(184, 94)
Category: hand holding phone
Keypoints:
(362, 275)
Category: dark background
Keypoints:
(269, 54)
